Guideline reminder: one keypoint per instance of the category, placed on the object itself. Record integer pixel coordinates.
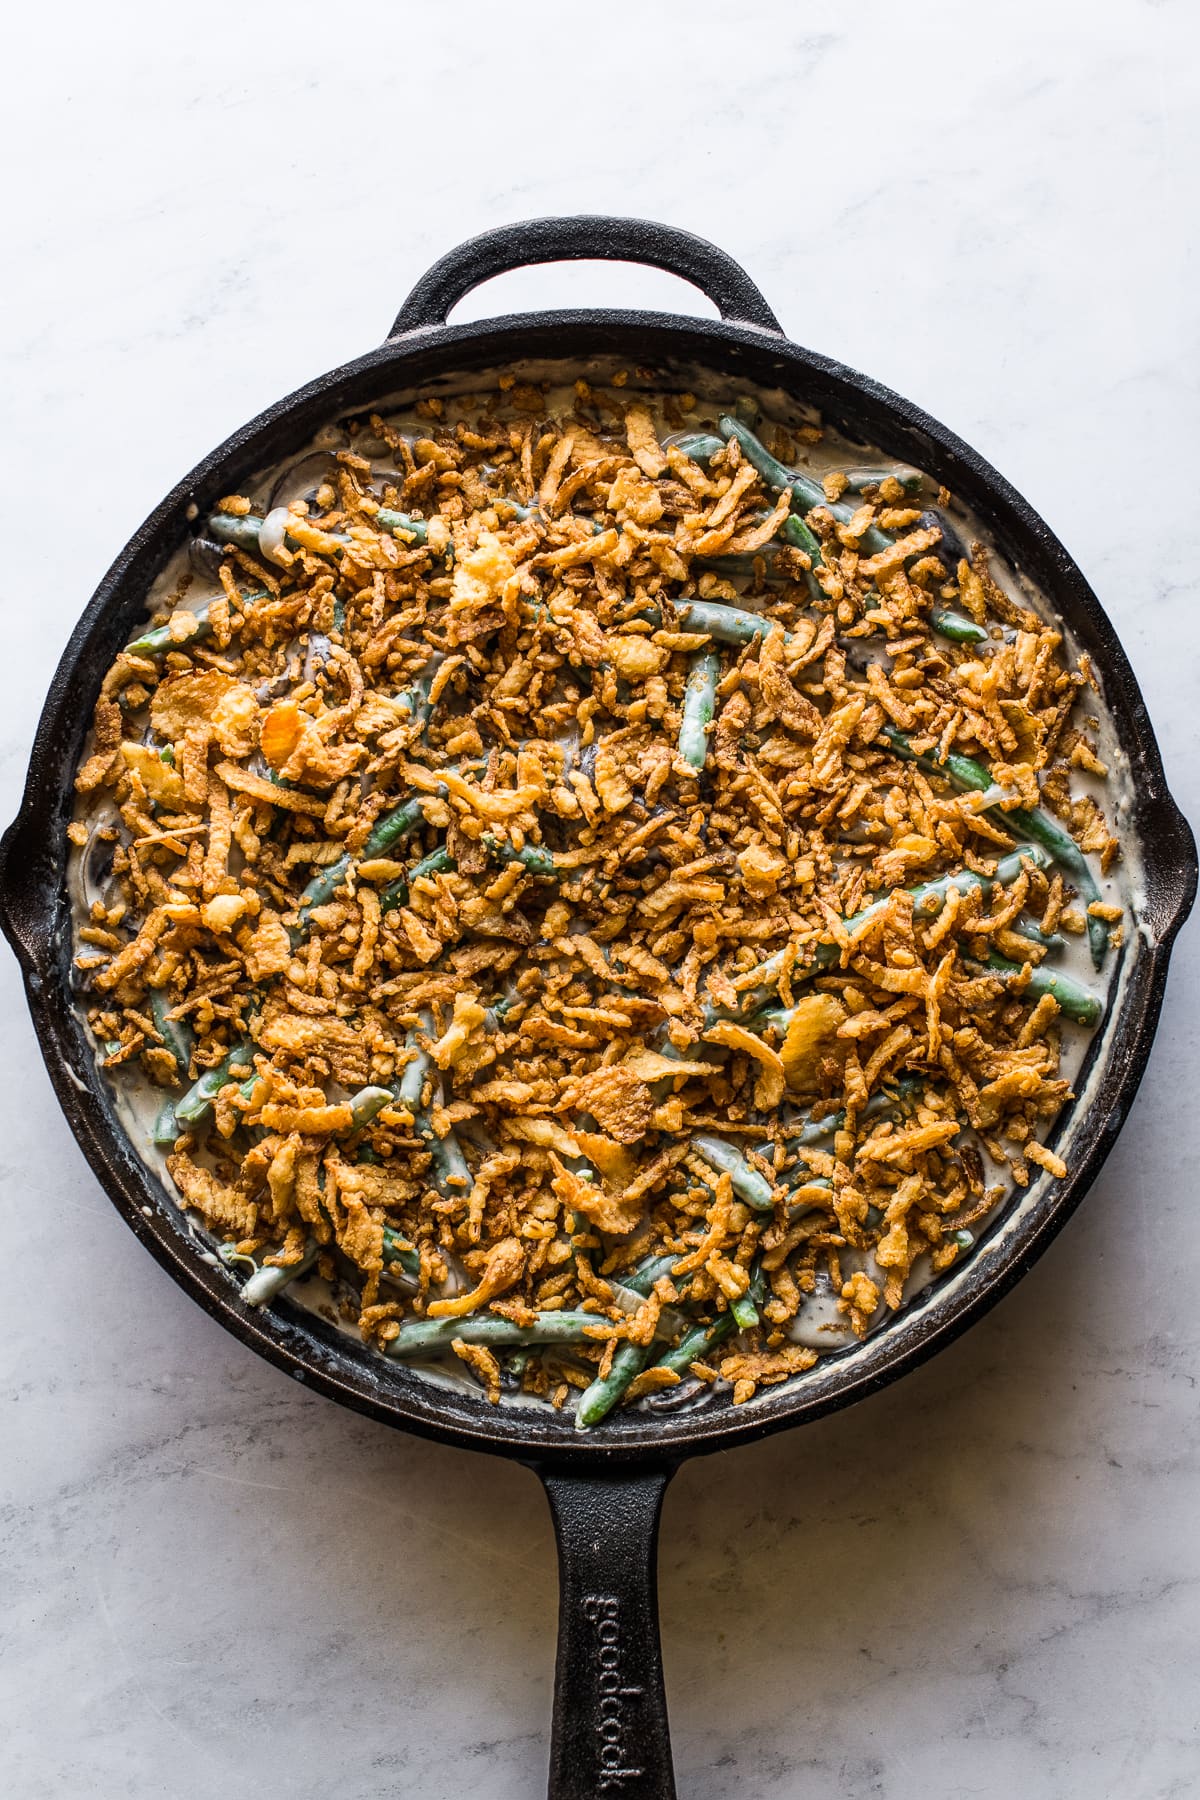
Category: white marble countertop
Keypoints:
(985, 1580)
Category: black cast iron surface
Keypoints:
(605, 1487)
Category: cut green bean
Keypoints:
(643, 1278)
(888, 1100)
(927, 899)
(388, 831)
(167, 1128)
(535, 859)
(802, 537)
(451, 1172)
(745, 1313)
(196, 1104)
(699, 703)
(438, 862)
(415, 699)
(598, 1400)
(430, 1337)
(806, 492)
(387, 520)
(859, 480)
(400, 1254)
(268, 1282)
(965, 772)
(727, 624)
(367, 1102)
(241, 529)
(177, 1035)
(956, 626)
(699, 446)
(1073, 998)
(696, 1344)
(748, 1184)
(162, 639)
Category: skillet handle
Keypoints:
(25, 918)
(585, 238)
(610, 1733)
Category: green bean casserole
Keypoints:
(602, 887)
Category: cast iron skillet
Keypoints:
(605, 1488)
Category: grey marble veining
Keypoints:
(984, 1581)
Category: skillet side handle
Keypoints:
(26, 917)
(610, 1733)
(585, 237)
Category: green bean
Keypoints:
(700, 446)
(748, 1184)
(535, 859)
(745, 1307)
(396, 1250)
(415, 699)
(234, 528)
(727, 624)
(451, 1172)
(858, 480)
(1073, 998)
(162, 639)
(643, 1278)
(243, 530)
(815, 1131)
(519, 509)
(598, 1400)
(966, 772)
(167, 1128)
(268, 1282)
(956, 626)
(696, 1344)
(497, 1014)
(396, 893)
(388, 831)
(393, 826)
(927, 900)
(802, 537)
(629, 1359)
(429, 1337)
(699, 703)
(802, 1179)
(366, 1103)
(963, 1239)
(411, 1085)
(745, 1313)
(196, 1104)
(177, 1035)
(805, 491)
(737, 563)
(387, 520)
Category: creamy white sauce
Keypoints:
(818, 1324)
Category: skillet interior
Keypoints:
(37, 919)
